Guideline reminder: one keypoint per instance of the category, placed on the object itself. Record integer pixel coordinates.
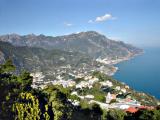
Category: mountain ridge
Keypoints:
(84, 51)
(91, 43)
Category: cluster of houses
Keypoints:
(111, 61)
(38, 80)
(88, 82)
(64, 83)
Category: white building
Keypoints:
(108, 97)
(123, 90)
(118, 88)
(64, 83)
(126, 86)
(106, 83)
(88, 77)
(74, 102)
(37, 77)
(82, 84)
(93, 80)
(124, 107)
(89, 96)
(74, 93)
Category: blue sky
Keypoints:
(133, 21)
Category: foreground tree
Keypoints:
(116, 114)
(19, 101)
(57, 103)
(96, 112)
(26, 107)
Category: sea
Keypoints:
(142, 73)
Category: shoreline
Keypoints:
(122, 60)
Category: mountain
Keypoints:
(74, 54)
(91, 43)
(36, 59)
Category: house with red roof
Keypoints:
(131, 110)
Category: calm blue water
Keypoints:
(143, 72)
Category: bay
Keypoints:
(142, 73)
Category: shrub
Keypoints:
(100, 97)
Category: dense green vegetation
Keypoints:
(18, 101)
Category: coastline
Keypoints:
(115, 62)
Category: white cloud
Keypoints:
(102, 18)
(90, 21)
(68, 24)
